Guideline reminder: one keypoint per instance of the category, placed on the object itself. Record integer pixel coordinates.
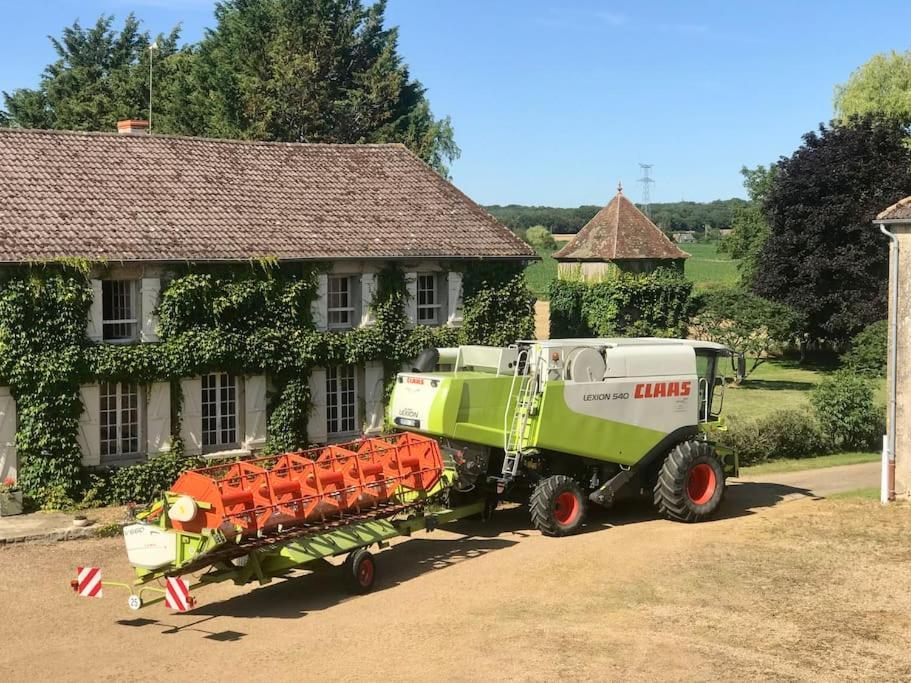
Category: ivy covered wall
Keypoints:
(244, 320)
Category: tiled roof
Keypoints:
(157, 198)
(619, 231)
(900, 210)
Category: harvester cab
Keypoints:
(565, 422)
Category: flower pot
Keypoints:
(10, 503)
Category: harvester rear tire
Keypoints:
(359, 571)
(557, 506)
(690, 484)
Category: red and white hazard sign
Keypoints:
(88, 582)
(177, 594)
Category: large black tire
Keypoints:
(557, 506)
(359, 571)
(690, 484)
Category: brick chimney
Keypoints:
(133, 127)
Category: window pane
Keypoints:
(117, 310)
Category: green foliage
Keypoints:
(244, 321)
(882, 85)
(745, 322)
(749, 228)
(783, 434)
(867, 353)
(540, 238)
(141, 482)
(657, 304)
(844, 407)
(283, 70)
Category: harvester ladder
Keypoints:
(516, 432)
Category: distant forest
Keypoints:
(669, 217)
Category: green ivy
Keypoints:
(239, 320)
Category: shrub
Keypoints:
(843, 404)
(867, 353)
(540, 238)
(141, 482)
(784, 434)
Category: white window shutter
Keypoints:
(320, 303)
(411, 303)
(89, 436)
(373, 397)
(149, 289)
(191, 415)
(94, 327)
(316, 423)
(9, 464)
(255, 412)
(454, 298)
(158, 419)
(368, 291)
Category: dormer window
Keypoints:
(428, 305)
(340, 301)
(119, 321)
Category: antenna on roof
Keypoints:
(647, 181)
(152, 48)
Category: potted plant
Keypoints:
(10, 498)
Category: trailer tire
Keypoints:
(690, 484)
(557, 506)
(359, 571)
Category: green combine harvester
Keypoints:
(563, 422)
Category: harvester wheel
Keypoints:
(691, 482)
(359, 571)
(557, 506)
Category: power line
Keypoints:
(647, 181)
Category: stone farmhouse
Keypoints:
(135, 206)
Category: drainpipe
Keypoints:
(887, 492)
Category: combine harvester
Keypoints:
(557, 424)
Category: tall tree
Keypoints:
(880, 86)
(749, 228)
(99, 77)
(823, 256)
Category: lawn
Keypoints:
(776, 466)
(540, 274)
(708, 268)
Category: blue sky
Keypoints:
(554, 102)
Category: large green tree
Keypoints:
(882, 85)
(282, 70)
(749, 228)
(824, 257)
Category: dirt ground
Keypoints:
(812, 589)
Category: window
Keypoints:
(118, 310)
(428, 300)
(119, 419)
(341, 400)
(340, 306)
(219, 410)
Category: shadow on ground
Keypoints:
(322, 589)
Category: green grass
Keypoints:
(810, 463)
(540, 274)
(774, 385)
(869, 493)
(709, 268)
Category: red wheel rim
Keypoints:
(566, 508)
(365, 573)
(701, 483)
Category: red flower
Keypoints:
(10, 482)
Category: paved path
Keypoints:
(763, 490)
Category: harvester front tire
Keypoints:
(557, 506)
(359, 571)
(690, 484)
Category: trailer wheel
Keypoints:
(690, 484)
(557, 506)
(359, 571)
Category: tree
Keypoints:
(749, 228)
(745, 322)
(540, 238)
(880, 86)
(100, 76)
(282, 70)
(823, 256)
